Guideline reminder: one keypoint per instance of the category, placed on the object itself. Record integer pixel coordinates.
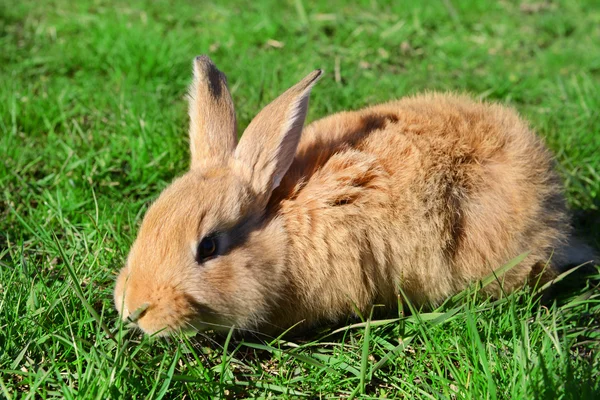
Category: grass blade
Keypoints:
(224, 361)
(169, 377)
(393, 353)
(364, 360)
(79, 292)
(479, 349)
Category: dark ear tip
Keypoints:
(316, 74)
(203, 59)
(203, 65)
(312, 78)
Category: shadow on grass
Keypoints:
(578, 384)
(587, 225)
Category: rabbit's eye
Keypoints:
(206, 248)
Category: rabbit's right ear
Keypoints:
(268, 145)
(213, 131)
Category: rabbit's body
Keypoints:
(426, 194)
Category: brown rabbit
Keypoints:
(427, 194)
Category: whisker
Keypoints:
(255, 332)
(203, 334)
(223, 314)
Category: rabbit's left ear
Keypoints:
(213, 131)
(268, 145)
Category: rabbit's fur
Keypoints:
(427, 193)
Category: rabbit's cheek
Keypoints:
(220, 279)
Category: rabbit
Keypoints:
(301, 227)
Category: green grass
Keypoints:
(93, 125)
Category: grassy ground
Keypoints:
(93, 125)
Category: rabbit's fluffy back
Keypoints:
(429, 193)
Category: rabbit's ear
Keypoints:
(268, 145)
(213, 131)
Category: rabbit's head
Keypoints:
(207, 255)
